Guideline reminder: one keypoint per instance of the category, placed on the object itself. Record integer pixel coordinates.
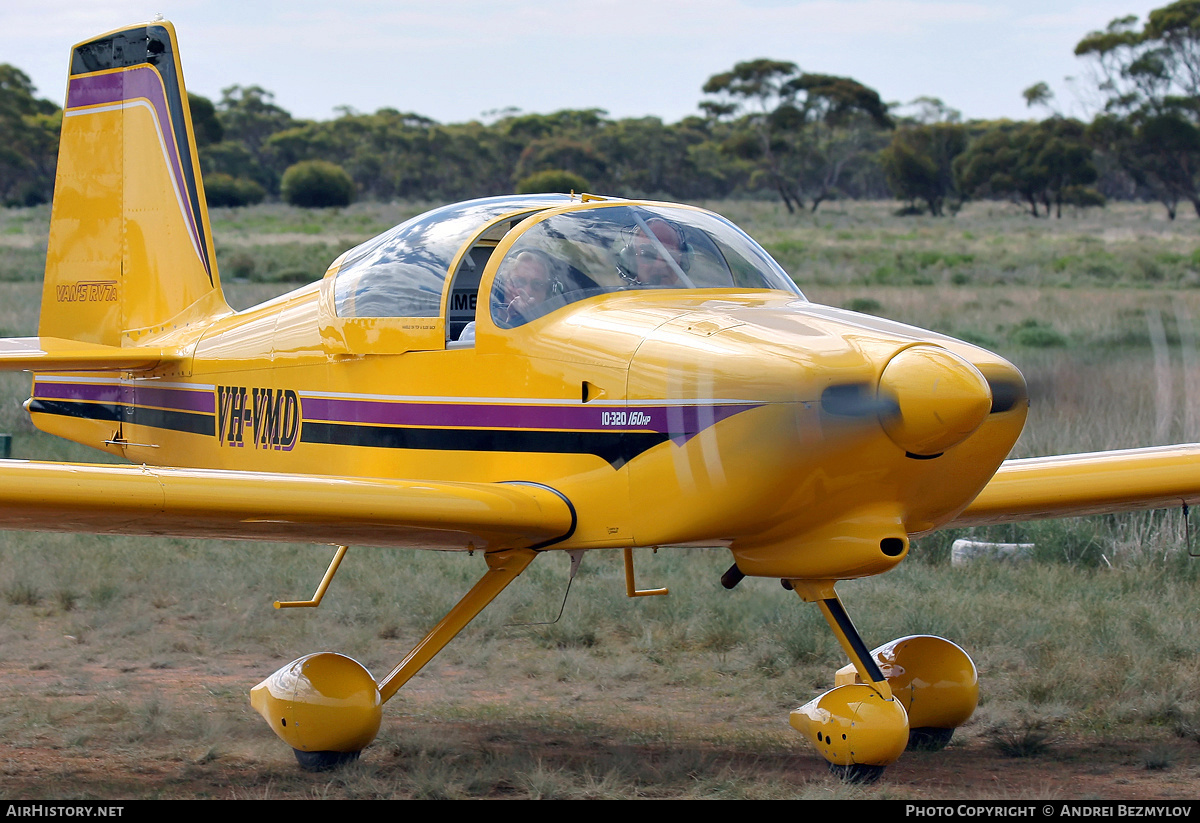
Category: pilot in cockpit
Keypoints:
(656, 256)
(525, 288)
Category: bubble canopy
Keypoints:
(587, 252)
(401, 273)
(569, 255)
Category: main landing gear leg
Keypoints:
(327, 707)
(858, 728)
(503, 568)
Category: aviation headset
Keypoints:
(627, 256)
(504, 314)
(556, 285)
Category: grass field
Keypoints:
(125, 662)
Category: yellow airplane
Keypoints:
(510, 376)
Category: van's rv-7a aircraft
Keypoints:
(673, 387)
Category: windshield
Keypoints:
(401, 272)
(579, 254)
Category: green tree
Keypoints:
(552, 180)
(398, 154)
(221, 190)
(1160, 153)
(919, 163)
(248, 118)
(1150, 78)
(29, 148)
(1066, 156)
(802, 131)
(1041, 164)
(232, 158)
(248, 115)
(1039, 94)
(528, 127)
(561, 153)
(317, 184)
(205, 123)
(648, 158)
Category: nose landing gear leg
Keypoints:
(858, 728)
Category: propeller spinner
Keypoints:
(927, 400)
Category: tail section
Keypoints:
(131, 250)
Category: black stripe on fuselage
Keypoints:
(180, 421)
(617, 448)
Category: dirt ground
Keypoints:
(1079, 771)
(58, 743)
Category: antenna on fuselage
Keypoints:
(576, 559)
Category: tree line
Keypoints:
(765, 127)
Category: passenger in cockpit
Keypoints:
(524, 289)
(656, 256)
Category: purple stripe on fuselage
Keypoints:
(130, 84)
(88, 392)
(678, 421)
(195, 400)
(177, 399)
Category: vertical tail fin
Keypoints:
(131, 249)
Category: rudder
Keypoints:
(130, 251)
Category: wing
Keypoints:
(113, 499)
(116, 499)
(1080, 484)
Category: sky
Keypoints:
(460, 60)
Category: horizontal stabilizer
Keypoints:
(54, 354)
(1074, 485)
(148, 500)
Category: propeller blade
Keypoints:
(859, 400)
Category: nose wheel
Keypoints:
(324, 761)
(908, 694)
(856, 773)
(859, 728)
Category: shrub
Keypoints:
(552, 180)
(1028, 738)
(865, 305)
(317, 184)
(978, 338)
(1035, 335)
(1083, 197)
(226, 190)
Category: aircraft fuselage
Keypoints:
(704, 407)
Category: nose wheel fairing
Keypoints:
(933, 678)
(909, 693)
(854, 726)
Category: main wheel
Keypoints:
(324, 761)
